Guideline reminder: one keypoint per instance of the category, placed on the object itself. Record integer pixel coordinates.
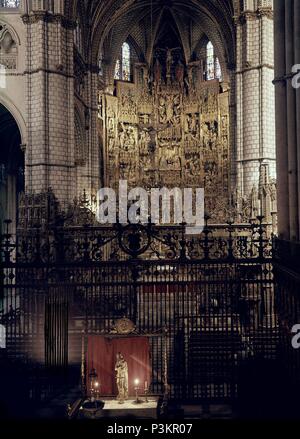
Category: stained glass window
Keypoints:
(123, 64)
(118, 70)
(213, 67)
(210, 62)
(9, 3)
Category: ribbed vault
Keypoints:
(111, 22)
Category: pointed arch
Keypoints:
(20, 121)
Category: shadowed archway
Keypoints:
(11, 166)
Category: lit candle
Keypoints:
(136, 381)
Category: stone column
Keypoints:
(297, 61)
(50, 97)
(291, 122)
(255, 96)
(88, 175)
(95, 156)
(281, 121)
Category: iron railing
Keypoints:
(211, 294)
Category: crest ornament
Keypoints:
(124, 326)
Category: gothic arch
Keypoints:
(10, 106)
(200, 50)
(136, 47)
(138, 52)
(11, 30)
(213, 21)
(11, 166)
(215, 17)
(9, 43)
(211, 16)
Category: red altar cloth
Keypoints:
(101, 355)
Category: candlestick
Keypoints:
(136, 388)
(146, 391)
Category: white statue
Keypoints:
(121, 369)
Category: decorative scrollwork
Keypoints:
(123, 326)
(89, 243)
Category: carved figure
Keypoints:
(121, 369)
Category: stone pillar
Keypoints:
(95, 156)
(281, 120)
(297, 61)
(50, 98)
(291, 122)
(255, 96)
(88, 173)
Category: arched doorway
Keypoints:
(11, 167)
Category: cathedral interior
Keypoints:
(141, 319)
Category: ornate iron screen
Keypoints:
(213, 295)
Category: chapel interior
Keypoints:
(118, 319)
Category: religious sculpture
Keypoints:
(169, 60)
(121, 135)
(162, 110)
(144, 142)
(165, 134)
(190, 78)
(121, 369)
(169, 108)
(151, 135)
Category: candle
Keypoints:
(136, 382)
(146, 385)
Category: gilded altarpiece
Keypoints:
(170, 133)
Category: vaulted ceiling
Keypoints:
(108, 23)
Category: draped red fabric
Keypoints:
(101, 355)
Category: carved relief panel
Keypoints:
(8, 48)
(170, 132)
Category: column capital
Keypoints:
(254, 15)
(48, 17)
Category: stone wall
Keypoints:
(287, 53)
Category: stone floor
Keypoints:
(57, 409)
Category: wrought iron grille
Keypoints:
(212, 295)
